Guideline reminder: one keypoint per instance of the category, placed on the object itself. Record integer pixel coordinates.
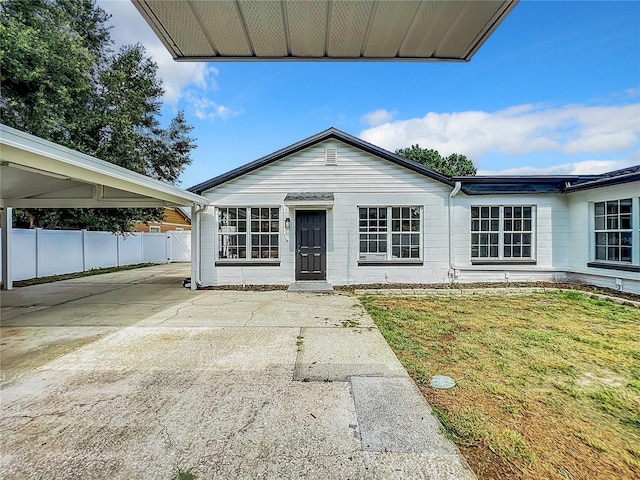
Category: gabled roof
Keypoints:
(329, 134)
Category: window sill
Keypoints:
(624, 267)
(248, 263)
(523, 261)
(375, 263)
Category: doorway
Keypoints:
(311, 245)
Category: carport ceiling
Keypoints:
(38, 173)
(423, 30)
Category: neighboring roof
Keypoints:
(38, 173)
(244, 30)
(625, 175)
(185, 213)
(331, 133)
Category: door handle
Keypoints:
(298, 250)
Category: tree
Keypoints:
(44, 71)
(452, 166)
(61, 80)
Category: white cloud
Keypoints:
(588, 167)
(203, 108)
(178, 78)
(378, 117)
(517, 130)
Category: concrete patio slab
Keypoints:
(405, 425)
(140, 381)
(337, 354)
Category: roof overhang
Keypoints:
(38, 173)
(374, 30)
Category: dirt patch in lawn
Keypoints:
(548, 385)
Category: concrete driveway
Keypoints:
(129, 375)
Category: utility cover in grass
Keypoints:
(442, 382)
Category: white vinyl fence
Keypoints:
(41, 253)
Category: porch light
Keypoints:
(287, 223)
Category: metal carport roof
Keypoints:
(38, 173)
(422, 30)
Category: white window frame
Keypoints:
(606, 228)
(501, 232)
(252, 239)
(378, 232)
(154, 229)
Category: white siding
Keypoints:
(581, 237)
(562, 232)
(306, 171)
(551, 244)
(358, 179)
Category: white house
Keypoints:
(333, 208)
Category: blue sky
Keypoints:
(554, 90)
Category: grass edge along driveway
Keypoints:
(548, 384)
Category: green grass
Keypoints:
(548, 384)
(184, 476)
(68, 276)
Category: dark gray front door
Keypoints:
(311, 245)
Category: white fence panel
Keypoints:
(41, 253)
(154, 247)
(101, 250)
(23, 255)
(59, 251)
(180, 246)
(130, 249)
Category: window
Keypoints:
(154, 229)
(248, 233)
(381, 227)
(502, 232)
(373, 232)
(614, 230)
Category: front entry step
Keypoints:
(311, 287)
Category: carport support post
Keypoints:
(6, 225)
(195, 246)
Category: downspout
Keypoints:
(454, 192)
(196, 210)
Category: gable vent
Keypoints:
(331, 156)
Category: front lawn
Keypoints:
(548, 384)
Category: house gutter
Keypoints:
(196, 210)
(452, 270)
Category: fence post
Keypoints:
(141, 247)
(168, 250)
(7, 226)
(38, 252)
(84, 250)
(118, 249)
